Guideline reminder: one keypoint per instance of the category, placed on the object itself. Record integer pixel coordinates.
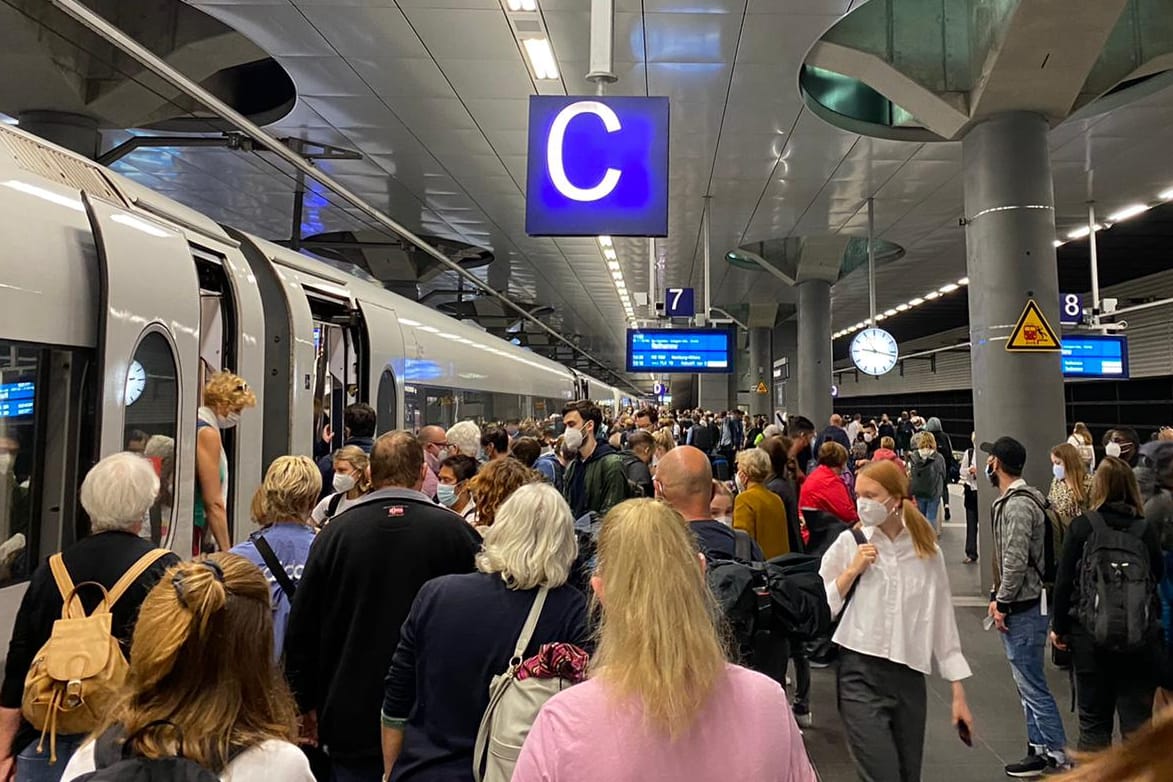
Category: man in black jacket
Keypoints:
(357, 588)
(360, 421)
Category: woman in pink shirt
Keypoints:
(662, 702)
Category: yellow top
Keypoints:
(760, 512)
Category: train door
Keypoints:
(148, 353)
(338, 360)
(385, 348)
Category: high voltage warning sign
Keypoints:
(1033, 334)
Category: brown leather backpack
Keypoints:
(79, 672)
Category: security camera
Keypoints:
(1109, 305)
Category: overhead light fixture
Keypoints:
(949, 288)
(7, 120)
(522, 5)
(617, 274)
(1166, 195)
(1131, 210)
(932, 295)
(916, 302)
(1058, 243)
(963, 281)
(541, 58)
(880, 317)
(613, 265)
(605, 241)
(610, 254)
(1081, 232)
(902, 307)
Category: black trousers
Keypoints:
(971, 522)
(1108, 684)
(883, 706)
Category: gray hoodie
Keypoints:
(1019, 530)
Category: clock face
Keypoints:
(874, 351)
(136, 381)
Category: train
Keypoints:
(118, 302)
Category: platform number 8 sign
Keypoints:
(1070, 309)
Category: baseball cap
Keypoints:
(1007, 450)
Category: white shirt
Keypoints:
(967, 461)
(271, 760)
(902, 609)
(853, 430)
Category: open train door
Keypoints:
(385, 349)
(148, 349)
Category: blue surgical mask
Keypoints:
(446, 494)
(1059, 471)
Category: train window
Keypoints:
(385, 408)
(21, 393)
(152, 412)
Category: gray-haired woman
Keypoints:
(462, 630)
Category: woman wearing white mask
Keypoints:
(454, 490)
(897, 618)
(352, 481)
(756, 509)
(225, 396)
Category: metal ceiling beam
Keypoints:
(165, 71)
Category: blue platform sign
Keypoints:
(1095, 356)
(597, 166)
(680, 302)
(684, 351)
(1070, 309)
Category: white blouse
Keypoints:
(902, 609)
(272, 760)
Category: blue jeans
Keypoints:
(929, 508)
(1025, 642)
(33, 766)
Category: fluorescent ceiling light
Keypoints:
(1131, 210)
(949, 288)
(617, 274)
(609, 254)
(963, 281)
(916, 302)
(541, 58)
(605, 241)
(932, 295)
(620, 284)
(1081, 232)
(901, 307)
(880, 317)
(1058, 242)
(889, 313)
(1166, 195)
(522, 5)
(613, 265)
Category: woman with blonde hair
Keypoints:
(462, 631)
(352, 479)
(756, 509)
(1071, 487)
(202, 683)
(493, 484)
(662, 701)
(282, 506)
(226, 395)
(892, 594)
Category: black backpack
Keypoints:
(634, 488)
(114, 762)
(702, 437)
(1118, 602)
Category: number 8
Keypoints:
(1071, 305)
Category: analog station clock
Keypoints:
(136, 381)
(874, 351)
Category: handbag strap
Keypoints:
(527, 630)
(134, 572)
(275, 567)
(66, 588)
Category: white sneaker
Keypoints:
(804, 719)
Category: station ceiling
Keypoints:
(434, 95)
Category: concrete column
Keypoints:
(713, 392)
(1009, 206)
(812, 376)
(760, 365)
(75, 132)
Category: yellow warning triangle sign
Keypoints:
(1033, 333)
(761, 389)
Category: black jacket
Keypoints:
(720, 542)
(363, 573)
(1117, 516)
(785, 488)
(102, 558)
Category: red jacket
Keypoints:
(824, 490)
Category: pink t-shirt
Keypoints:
(746, 731)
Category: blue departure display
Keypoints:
(598, 165)
(16, 399)
(1095, 356)
(679, 350)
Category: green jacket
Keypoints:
(598, 484)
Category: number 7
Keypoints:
(675, 293)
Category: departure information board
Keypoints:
(680, 350)
(16, 399)
(1095, 356)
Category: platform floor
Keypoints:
(1000, 731)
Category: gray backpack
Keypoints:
(513, 706)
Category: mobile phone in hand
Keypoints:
(964, 734)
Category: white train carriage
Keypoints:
(117, 302)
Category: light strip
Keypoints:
(541, 58)
(522, 5)
(1131, 210)
(1166, 195)
(945, 289)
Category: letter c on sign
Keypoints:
(554, 151)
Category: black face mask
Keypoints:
(992, 475)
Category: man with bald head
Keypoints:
(684, 480)
(434, 439)
(835, 433)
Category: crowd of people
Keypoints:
(399, 593)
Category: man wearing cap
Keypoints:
(1018, 603)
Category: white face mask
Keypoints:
(572, 440)
(740, 483)
(724, 519)
(867, 438)
(343, 483)
(925, 452)
(228, 421)
(872, 513)
(1112, 449)
(1059, 471)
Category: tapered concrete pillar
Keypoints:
(75, 132)
(813, 374)
(760, 364)
(1009, 208)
